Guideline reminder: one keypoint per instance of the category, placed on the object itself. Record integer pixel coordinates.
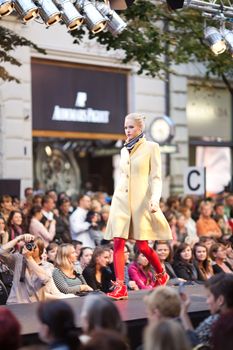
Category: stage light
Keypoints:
(228, 37)
(115, 23)
(70, 15)
(26, 9)
(215, 40)
(6, 7)
(92, 17)
(48, 11)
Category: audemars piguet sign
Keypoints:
(81, 99)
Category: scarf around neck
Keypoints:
(130, 145)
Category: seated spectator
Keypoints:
(6, 206)
(97, 274)
(131, 285)
(218, 255)
(171, 219)
(220, 301)
(166, 335)
(183, 263)
(63, 234)
(37, 229)
(84, 258)
(190, 225)
(202, 261)
(207, 241)
(206, 226)
(29, 278)
(77, 246)
(51, 250)
(65, 275)
(229, 251)
(15, 224)
(10, 338)
(164, 251)
(58, 328)
(100, 312)
(106, 340)
(140, 272)
(4, 235)
(181, 230)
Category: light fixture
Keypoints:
(48, 11)
(115, 23)
(215, 40)
(92, 17)
(6, 7)
(70, 15)
(26, 9)
(228, 37)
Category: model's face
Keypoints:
(132, 129)
(163, 251)
(17, 219)
(201, 253)
(186, 254)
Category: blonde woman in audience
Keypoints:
(65, 275)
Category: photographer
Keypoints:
(29, 278)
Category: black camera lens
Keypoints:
(30, 245)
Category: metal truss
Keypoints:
(216, 9)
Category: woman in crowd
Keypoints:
(164, 251)
(4, 235)
(84, 257)
(140, 272)
(202, 261)
(183, 263)
(165, 335)
(51, 251)
(181, 230)
(65, 275)
(135, 212)
(15, 224)
(37, 229)
(218, 255)
(10, 338)
(97, 274)
(99, 312)
(58, 328)
(190, 225)
(63, 234)
(171, 219)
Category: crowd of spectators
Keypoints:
(52, 247)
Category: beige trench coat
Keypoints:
(140, 181)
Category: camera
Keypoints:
(30, 245)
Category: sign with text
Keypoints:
(73, 98)
(194, 180)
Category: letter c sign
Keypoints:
(194, 181)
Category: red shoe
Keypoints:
(161, 279)
(119, 293)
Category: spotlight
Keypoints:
(48, 12)
(26, 9)
(69, 14)
(215, 40)
(228, 36)
(115, 23)
(6, 7)
(94, 20)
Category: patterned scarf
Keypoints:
(130, 145)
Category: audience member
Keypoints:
(202, 261)
(206, 226)
(106, 340)
(15, 224)
(140, 272)
(10, 338)
(38, 229)
(4, 235)
(84, 257)
(218, 255)
(183, 263)
(63, 234)
(5, 206)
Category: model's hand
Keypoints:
(154, 207)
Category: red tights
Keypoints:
(143, 247)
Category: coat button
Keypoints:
(126, 190)
(128, 162)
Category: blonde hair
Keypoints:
(166, 335)
(62, 257)
(165, 299)
(138, 118)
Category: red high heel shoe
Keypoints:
(119, 292)
(161, 278)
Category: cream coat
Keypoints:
(140, 182)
